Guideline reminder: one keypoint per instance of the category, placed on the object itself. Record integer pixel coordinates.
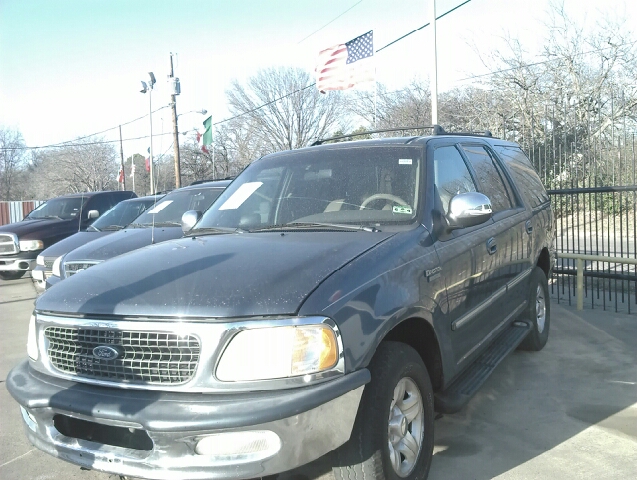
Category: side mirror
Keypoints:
(468, 209)
(189, 219)
(92, 214)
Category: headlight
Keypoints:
(32, 342)
(278, 352)
(57, 267)
(31, 245)
(40, 260)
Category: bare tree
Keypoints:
(82, 167)
(12, 161)
(293, 112)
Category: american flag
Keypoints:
(347, 65)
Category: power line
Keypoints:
(331, 21)
(100, 142)
(314, 84)
(526, 65)
(67, 143)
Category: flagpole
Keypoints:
(434, 82)
(375, 95)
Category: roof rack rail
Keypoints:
(199, 182)
(436, 130)
(485, 133)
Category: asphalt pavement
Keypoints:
(567, 412)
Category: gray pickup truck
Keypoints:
(328, 302)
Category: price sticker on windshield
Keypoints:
(402, 209)
(404, 161)
(160, 206)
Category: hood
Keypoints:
(122, 241)
(70, 243)
(232, 275)
(40, 229)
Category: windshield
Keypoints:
(61, 208)
(122, 214)
(360, 185)
(168, 210)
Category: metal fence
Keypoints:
(11, 212)
(589, 166)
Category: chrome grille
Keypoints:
(144, 357)
(8, 244)
(71, 268)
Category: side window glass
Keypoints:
(101, 203)
(524, 175)
(451, 175)
(492, 184)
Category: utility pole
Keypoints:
(121, 154)
(174, 92)
(434, 77)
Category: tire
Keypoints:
(381, 431)
(538, 311)
(12, 275)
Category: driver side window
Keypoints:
(451, 175)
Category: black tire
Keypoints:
(538, 300)
(367, 453)
(12, 275)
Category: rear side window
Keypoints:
(451, 175)
(524, 175)
(491, 181)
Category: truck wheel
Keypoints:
(538, 311)
(12, 275)
(393, 433)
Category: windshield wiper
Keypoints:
(195, 232)
(315, 225)
(166, 224)
(50, 216)
(110, 228)
(92, 228)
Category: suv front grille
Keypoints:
(8, 244)
(71, 268)
(144, 357)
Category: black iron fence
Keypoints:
(589, 166)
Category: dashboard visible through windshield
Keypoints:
(366, 186)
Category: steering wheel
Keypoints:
(382, 196)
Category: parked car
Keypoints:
(158, 224)
(115, 219)
(331, 299)
(21, 242)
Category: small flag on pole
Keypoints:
(207, 135)
(120, 175)
(347, 65)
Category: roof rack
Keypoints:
(436, 130)
(199, 182)
(485, 133)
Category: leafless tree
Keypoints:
(79, 167)
(294, 113)
(12, 162)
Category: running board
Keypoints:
(458, 394)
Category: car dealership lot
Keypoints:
(569, 411)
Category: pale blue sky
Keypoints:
(70, 68)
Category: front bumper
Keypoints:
(309, 421)
(17, 263)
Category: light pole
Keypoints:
(149, 89)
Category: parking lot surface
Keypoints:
(568, 412)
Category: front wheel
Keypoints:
(538, 311)
(12, 275)
(393, 436)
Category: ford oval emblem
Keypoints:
(105, 352)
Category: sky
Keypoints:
(70, 68)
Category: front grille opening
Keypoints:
(144, 357)
(103, 434)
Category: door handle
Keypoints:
(529, 227)
(492, 246)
